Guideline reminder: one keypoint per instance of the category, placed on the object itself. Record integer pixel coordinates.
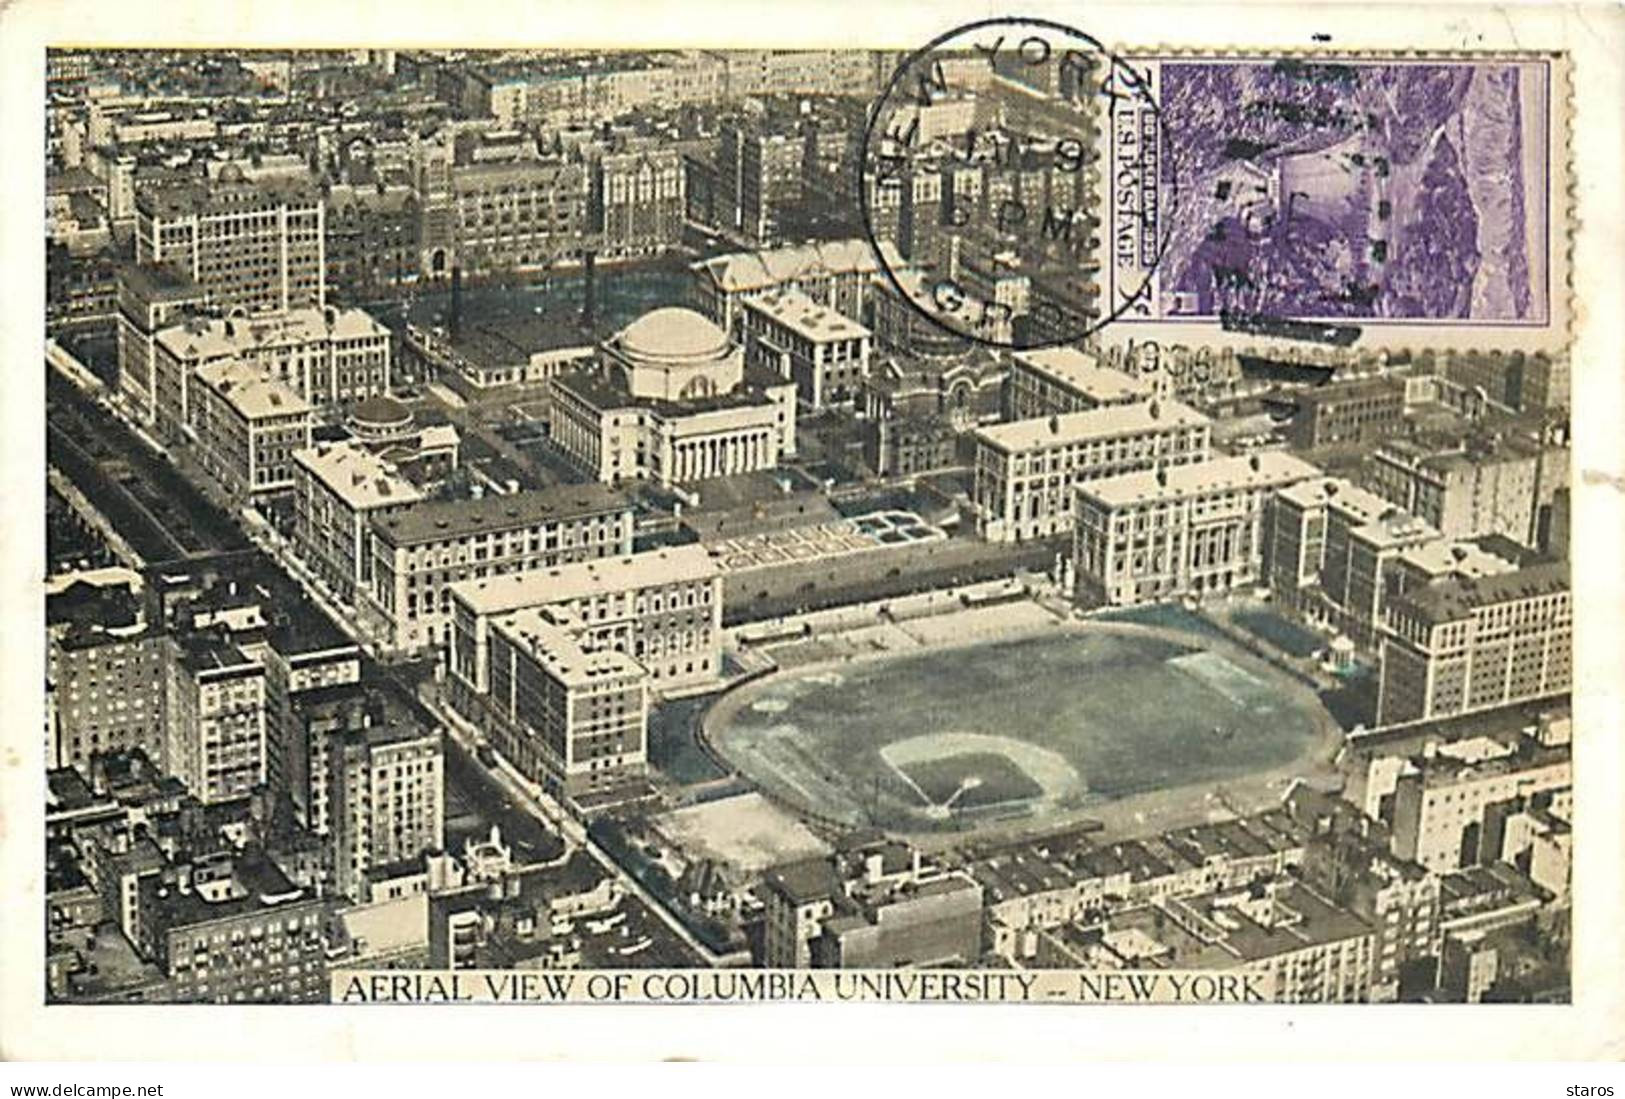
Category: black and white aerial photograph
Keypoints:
(1050, 508)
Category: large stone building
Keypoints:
(837, 273)
(1461, 644)
(557, 664)
(150, 298)
(637, 201)
(824, 352)
(1192, 529)
(523, 214)
(338, 489)
(415, 555)
(1470, 486)
(253, 246)
(1028, 471)
(1054, 381)
(247, 426)
(326, 356)
(214, 717)
(672, 400)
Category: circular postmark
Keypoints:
(979, 184)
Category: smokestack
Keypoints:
(456, 322)
(589, 291)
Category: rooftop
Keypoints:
(1455, 598)
(558, 651)
(254, 393)
(210, 338)
(1084, 374)
(438, 520)
(745, 271)
(358, 476)
(584, 579)
(806, 317)
(1261, 470)
(1020, 436)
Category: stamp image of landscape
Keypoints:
(1346, 189)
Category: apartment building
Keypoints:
(214, 717)
(102, 660)
(1028, 471)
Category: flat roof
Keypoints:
(809, 319)
(214, 337)
(1083, 373)
(436, 520)
(1460, 557)
(357, 476)
(560, 653)
(1041, 432)
(251, 391)
(672, 565)
(1259, 470)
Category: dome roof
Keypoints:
(379, 409)
(672, 334)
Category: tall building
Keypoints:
(825, 353)
(102, 662)
(150, 298)
(378, 782)
(1355, 411)
(1466, 487)
(1191, 529)
(557, 664)
(214, 716)
(638, 201)
(247, 425)
(1028, 471)
(416, 554)
(523, 214)
(759, 173)
(1464, 644)
(251, 246)
(338, 489)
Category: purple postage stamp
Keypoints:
(1352, 200)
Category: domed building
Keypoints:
(671, 399)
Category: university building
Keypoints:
(557, 664)
(247, 426)
(1054, 381)
(672, 400)
(824, 352)
(257, 247)
(837, 273)
(1468, 643)
(338, 489)
(149, 298)
(1028, 471)
(326, 356)
(1190, 529)
(415, 555)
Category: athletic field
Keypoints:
(1021, 729)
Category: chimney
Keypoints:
(1255, 463)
